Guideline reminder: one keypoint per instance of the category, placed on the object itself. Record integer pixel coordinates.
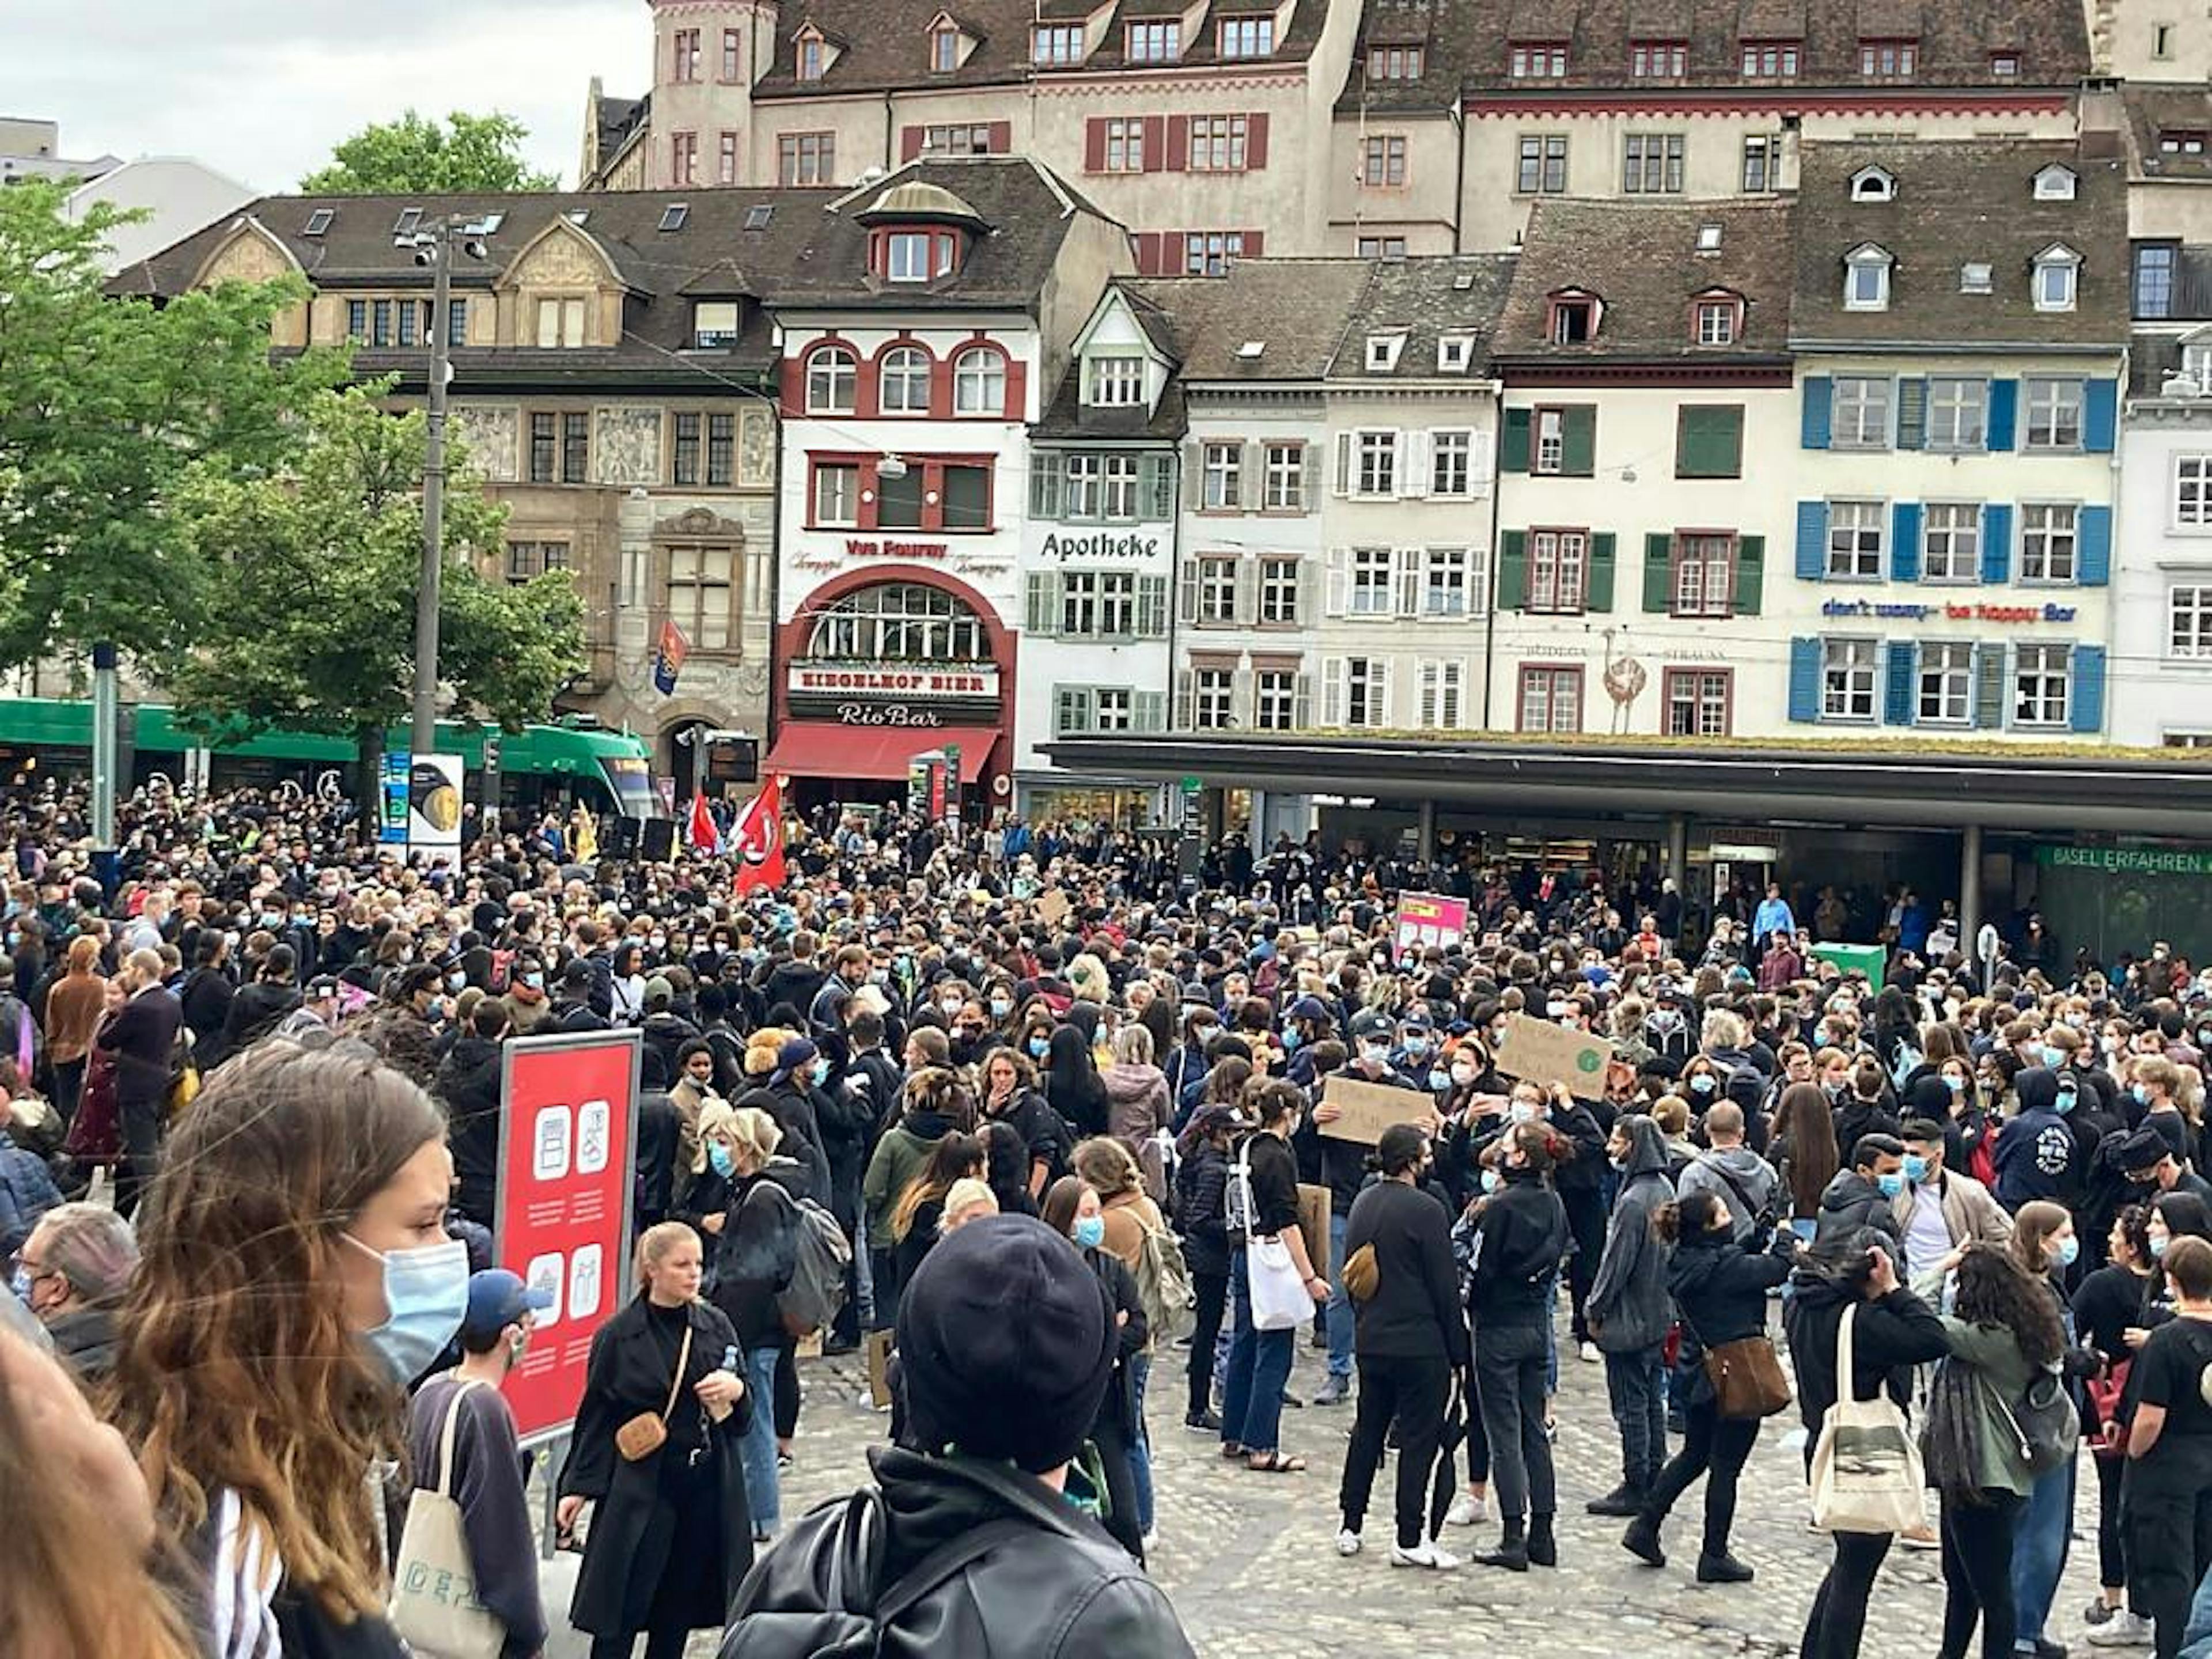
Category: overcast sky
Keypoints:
(261, 89)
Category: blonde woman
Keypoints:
(969, 1200)
(1126, 1215)
(1137, 1105)
(671, 1535)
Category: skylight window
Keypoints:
(409, 218)
(673, 216)
(757, 216)
(318, 221)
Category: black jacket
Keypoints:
(1890, 1335)
(633, 1528)
(1414, 1313)
(1011, 1572)
(468, 1083)
(1524, 1245)
(1720, 1289)
(1851, 1202)
(254, 1012)
(1201, 1186)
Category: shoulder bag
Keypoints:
(647, 1432)
(1747, 1379)
(2044, 1421)
(434, 1607)
(1279, 1302)
(1866, 1470)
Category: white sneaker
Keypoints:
(1347, 1542)
(1150, 1541)
(1589, 1355)
(2125, 1630)
(1423, 1554)
(1466, 1511)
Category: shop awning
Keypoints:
(823, 749)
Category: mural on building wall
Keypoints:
(629, 446)
(492, 433)
(756, 449)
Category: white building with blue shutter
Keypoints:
(1961, 329)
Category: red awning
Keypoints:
(823, 749)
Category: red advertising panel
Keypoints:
(1426, 919)
(566, 1158)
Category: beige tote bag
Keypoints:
(433, 1583)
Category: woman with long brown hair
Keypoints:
(295, 1277)
(1804, 1150)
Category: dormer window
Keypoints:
(1658, 60)
(1771, 60)
(1158, 42)
(943, 49)
(1246, 37)
(1716, 319)
(1454, 353)
(2004, 66)
(1866, 278)
(1113, 382)
(1874, 184)
(1572, 318)
(2055, 183)
(916, 255)
(1889, 60)
(714, 325)
(813, 54)
(1056, 46)
(2181, 141)
(1382, 351)
(1394, 63)
(1537, 60)
(1976, 277)
(2057, 277)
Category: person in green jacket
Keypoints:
(937, 1105)
(2004, 1329)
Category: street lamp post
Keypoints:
(435, 246)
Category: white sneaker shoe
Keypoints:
(1589, 1355)
(2125, 1630)
(1150, 1541)
(1423, 1554)
(1347, 1542)
(1467, 1509)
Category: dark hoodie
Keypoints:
(1629, 1308)
(468, 1083)
(2035, 1148)
(1524, 1241)
(1890, 1334)
(1851, 1202)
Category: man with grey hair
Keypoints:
(75, 1270)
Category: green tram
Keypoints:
(540, 765)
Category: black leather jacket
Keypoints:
(1036, 1580)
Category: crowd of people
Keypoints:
(1067, 1122)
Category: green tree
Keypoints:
(107, 405)
(418, 155)
(315, 575)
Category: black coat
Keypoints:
(1415, 1311)
(1043, 1581)
(468, 1083)
(633, 1530)
(1720, 1289)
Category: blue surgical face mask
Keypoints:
(1523, 1111)
(1037, 1046)
(2158, 1244)
(426, 1292)
(2064, 1103)
(1091, 1231)
(1915, 1168)
(822, 1070)
(19, 1283)
(2052, 1056)
(1703, 1083)
(2141, 1092)
(1891, 1184)
(2068, 1250)
(1291, 1037)
(1492, 1181)
(718, 1155)
(1954, 1083)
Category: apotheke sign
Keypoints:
(1100, 544)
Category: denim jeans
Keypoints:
(2038, 1555)
(1258, 1366)
(1632, 1383)
(1339, 1316)
(1140, 1442)
(759, 1451)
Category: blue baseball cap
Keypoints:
(498, 1298)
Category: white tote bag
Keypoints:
(433, 1583)
(1866, 1469)
(1279, 1302)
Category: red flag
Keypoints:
(758, 839)
(703, 834)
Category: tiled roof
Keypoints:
(1957, 203)
(1956, 41)
(2153, 110)
(886, 43)
(1294, 310)
(1426, 298)
(1067, 418)
(1644, 263)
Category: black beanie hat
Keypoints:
(1005, 1344)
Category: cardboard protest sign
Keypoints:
(1537, 1051)
(1313, 1222)
(1052, 906)
(1368, 1109)
(877, 1347)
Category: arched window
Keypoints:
(899, 622)
(902, 383)
(978, 382)
(832, 375)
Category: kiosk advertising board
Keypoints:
(567, 1161)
